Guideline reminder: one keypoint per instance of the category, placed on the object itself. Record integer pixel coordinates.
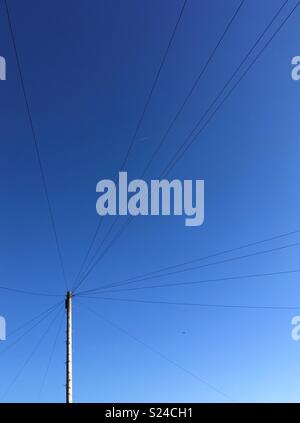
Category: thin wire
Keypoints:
(36, 145)
(28, 331)
(203, 281)
(236, 71)
(98, 249)
(102, 254)
(30, 355)
(192, 89)
(129, 300)
(45, 315)
(153, 86)
(51, 356)
(92, 242)
(75, 287)
(251, 244)
(186, 145)
(202, 72)
(163, 356)
(127, 222)
(22, 291)
(256, 253)
(33, 319)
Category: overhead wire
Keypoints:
(199, 282)
(52, 351)
(128, 151)
(27, 360)
(227, 251)
(36, 146)
(188, 142)
(193, 87)
(203, 305)
(200, 75)
(25, 292)
(40, 317)
(126, 223)
(161, 355)
(153, 86)
(214, 263)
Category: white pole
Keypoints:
(69, 391)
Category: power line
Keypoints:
(90, 263)
(228, 260)
(51, 355)
(231, 250)
(202, 72)
(34, 318)
(193, 87)
(186, 145)
(93, 265)
(203, 281)
(127, 222)
(153, 276)
(30, 355)
(194, 304)
(139, 123)
(153, 86)
(92, 242)
(22, 291)
(45, 314)
(212, 263)
(161, 355)
(36, 145)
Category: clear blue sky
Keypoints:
(88, 67)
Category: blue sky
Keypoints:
(88, 68)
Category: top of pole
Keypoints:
(68, 298)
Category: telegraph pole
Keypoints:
(69, 391)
